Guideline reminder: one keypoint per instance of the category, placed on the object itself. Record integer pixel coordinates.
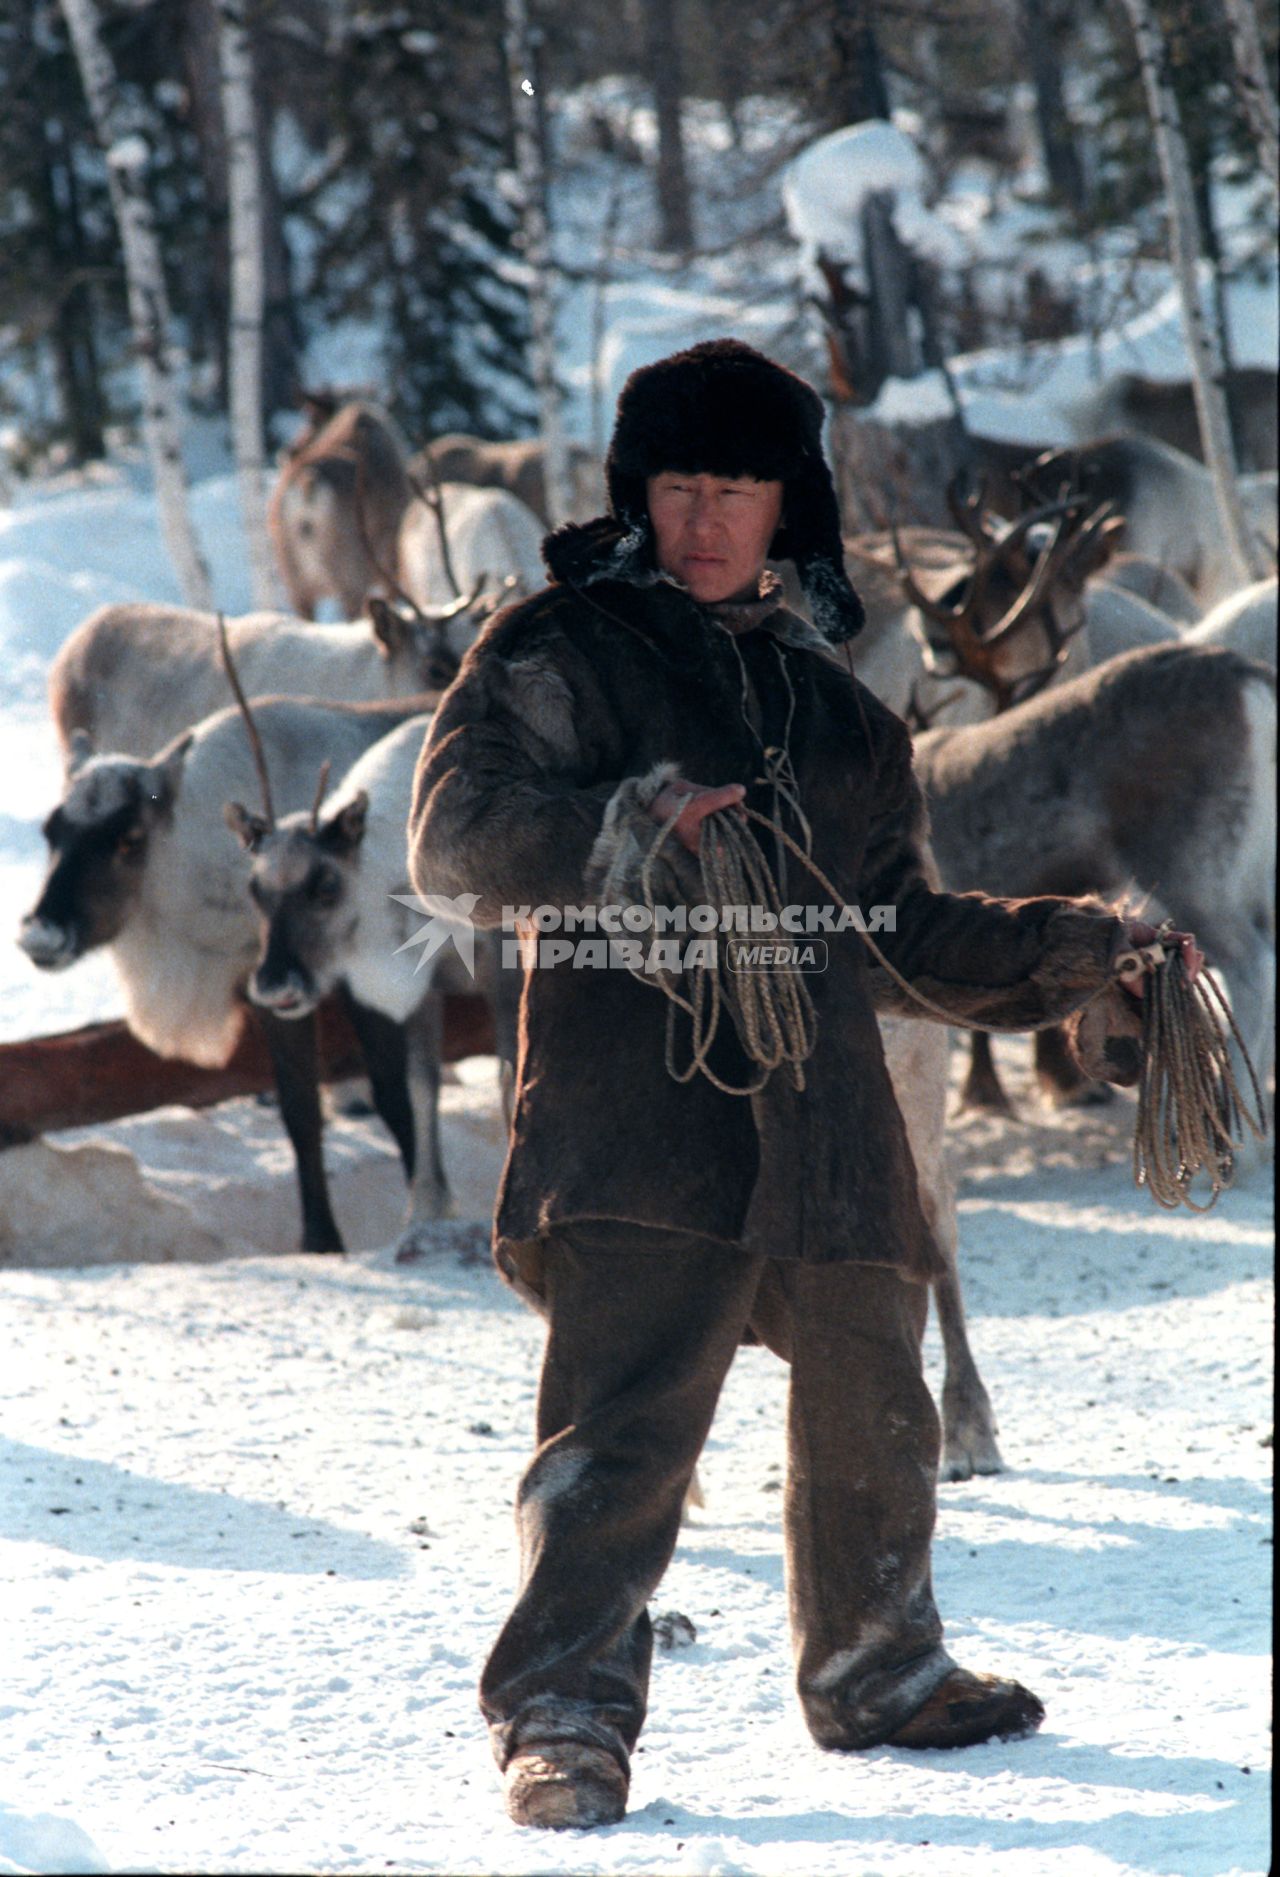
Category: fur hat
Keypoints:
(725, 409)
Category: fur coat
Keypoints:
(569, 711)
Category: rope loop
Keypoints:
(1191, 1114)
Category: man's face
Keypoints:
(713, 532)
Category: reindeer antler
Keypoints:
(967, 508)
(251, 728)
(434, 499)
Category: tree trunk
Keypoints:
(1042, 42)
(74, 351)
(247, 291)
(539, 262)
(666, 81)
(1254, 85)
(127, 156)
(1207, 367)
(858, 87)
(892, 350)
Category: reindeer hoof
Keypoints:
(968, 1442)
(1083, 1094)
(987, 1099)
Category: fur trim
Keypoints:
(608, 548)
(725, 409)
(612, 875)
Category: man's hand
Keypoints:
(1140, 933)
(699, 801)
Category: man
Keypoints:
(657, 1221)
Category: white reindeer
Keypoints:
(491, 536)
(133, 675)
(1246, 623)
(141, 863)
(333, 896)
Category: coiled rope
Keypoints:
(1190, 1109)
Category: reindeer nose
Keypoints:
(283, 997)
(47, 945)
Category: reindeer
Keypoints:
(1021, 596)
(1154, 772)
(333, 898)
(1168, 503)
(518, 467)
(456, 535)
(132, 675)
(140, 862)
(336, 509)
(1246, 623)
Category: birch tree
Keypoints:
(538, 258)
(1208, 369)
(244, 203)
(1254, 85)
(128, 156)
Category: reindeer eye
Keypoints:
(324, 888)
(130, 841)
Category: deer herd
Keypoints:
(1092, 697)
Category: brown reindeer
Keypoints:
(336, 509)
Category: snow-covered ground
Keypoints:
(255, 1539)
(255, 1527)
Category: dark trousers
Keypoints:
(643, 1326)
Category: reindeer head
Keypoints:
(99, 836)
(425, 645)
(1007, 623)
(304, 881)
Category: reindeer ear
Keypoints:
(388, 628)
(343, 832)
(249, 829)
(164, 778)
(79, 751)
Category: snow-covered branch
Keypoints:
(244, 199)
(128, 157)
(538, 258)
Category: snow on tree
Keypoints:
(128, 155)
(1254, 86)
(538, 260)
(244, 200)
(1208, 368)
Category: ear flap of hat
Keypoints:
(810, 536)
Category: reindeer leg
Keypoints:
(295, 1059)
(982, 1085)
(429, 1198)
(382, 1044)
(1062, 1084)
(968, 1423)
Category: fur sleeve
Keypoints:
(614, 871)
(507, 799)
